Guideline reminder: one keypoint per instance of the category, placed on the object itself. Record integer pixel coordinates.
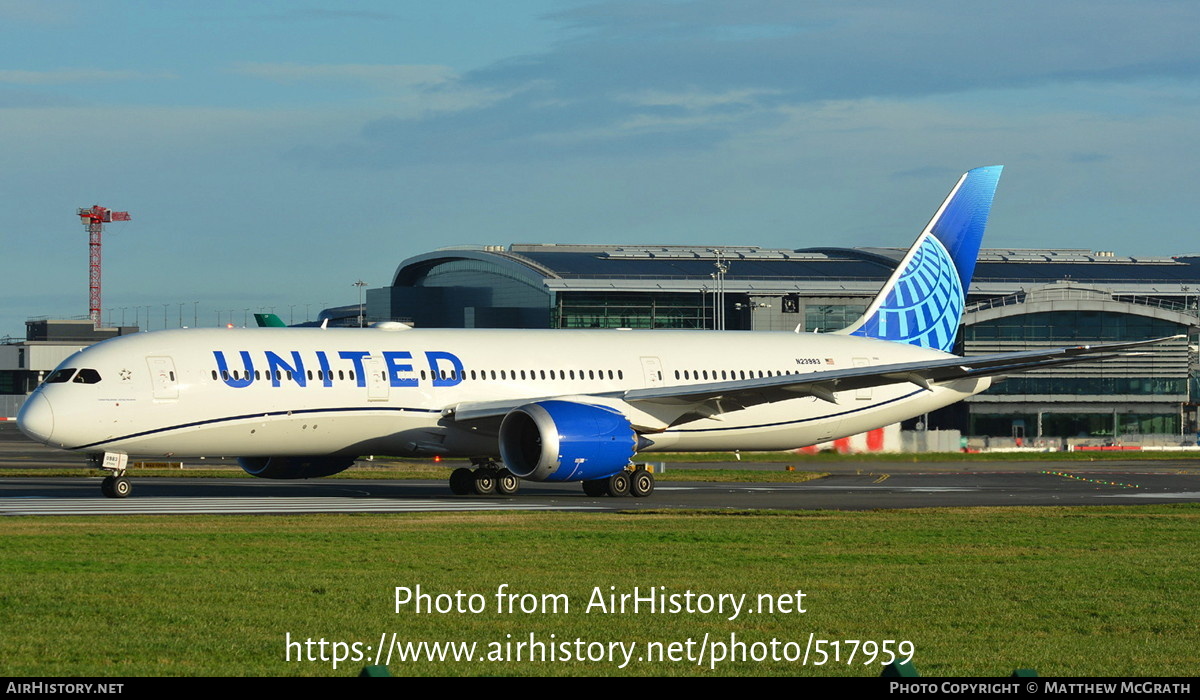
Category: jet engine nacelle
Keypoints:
(566, 441)
(294, 467)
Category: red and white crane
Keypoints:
(94, 218)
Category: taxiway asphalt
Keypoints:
(850, 486)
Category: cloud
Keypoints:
(75, 75)
(394, 76)
(696, 101)
(693, 74)
(46, 13)
(323, 15)
(33, 99)
(403, 92)
(837, 50)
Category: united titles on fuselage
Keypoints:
(444, 368)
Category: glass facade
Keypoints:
(1112, 397)
(1074, 425)
(1087, 326)
(1085, 386)
(630, 310)
(1004, 425)
(831, 317)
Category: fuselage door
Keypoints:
(377, 380)
(652, 369)
(162, 377)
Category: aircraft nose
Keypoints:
(36, 419)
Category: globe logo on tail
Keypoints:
(924, 306)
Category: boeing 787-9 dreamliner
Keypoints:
(542, 405)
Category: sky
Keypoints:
(272, 154)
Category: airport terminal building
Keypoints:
(1019, 300)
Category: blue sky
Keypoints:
(273, 153)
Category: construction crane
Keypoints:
(94, 218)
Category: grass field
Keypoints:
(1066, 591)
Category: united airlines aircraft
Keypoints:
(542, 405)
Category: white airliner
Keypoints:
(543, 405)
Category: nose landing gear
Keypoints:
(116, 484)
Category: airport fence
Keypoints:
(10, 404)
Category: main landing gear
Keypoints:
(638, 482)
(487, 477)
(116, 484)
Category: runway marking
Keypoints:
(751, 486)
(1177, 494)
(1066, 475)
(851, 487)
(229, 506)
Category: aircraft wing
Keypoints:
(670, 405)
(823, 384)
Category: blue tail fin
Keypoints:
(922, 302)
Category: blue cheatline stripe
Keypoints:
(248, 416)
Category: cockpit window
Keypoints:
(60, 375)
(87, 376)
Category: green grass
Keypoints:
(1066, 591)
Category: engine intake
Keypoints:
(295, 467)
(566, 441)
